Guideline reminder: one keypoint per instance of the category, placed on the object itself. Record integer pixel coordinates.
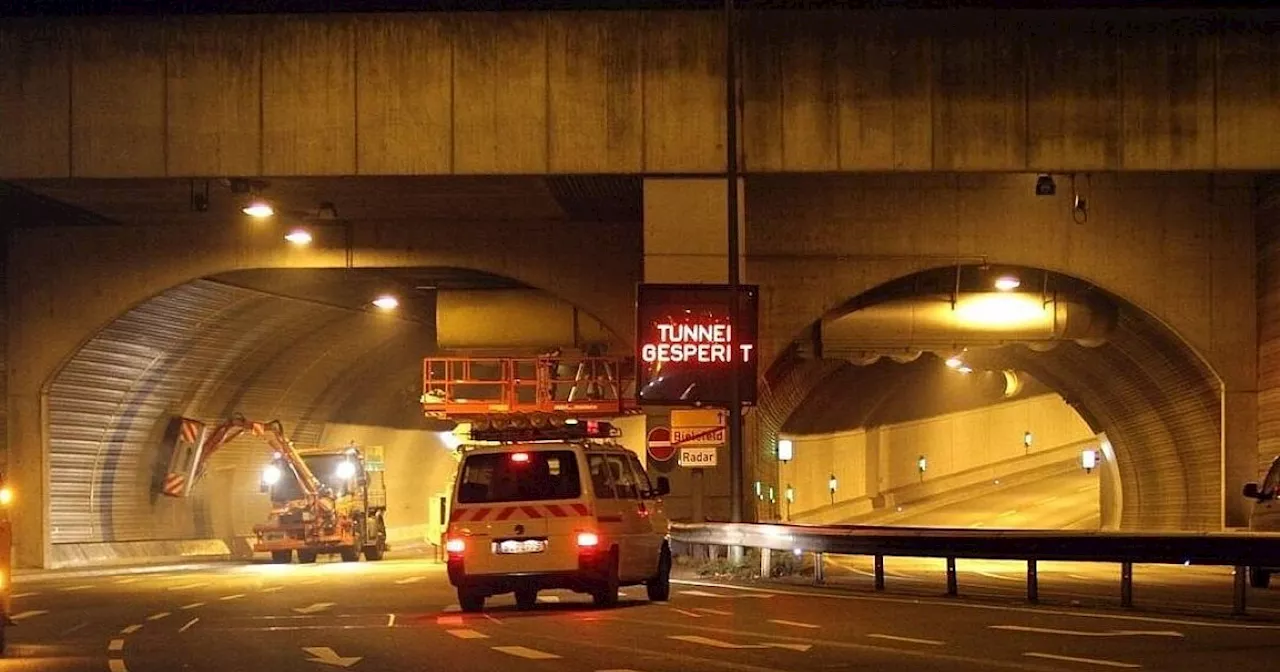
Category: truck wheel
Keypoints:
(526, 598)
(306, 557)
(350, 554)
(659, 587)
(281, 557)
(374, 553)
(606, 594)
(1259, 577)
(470, 602)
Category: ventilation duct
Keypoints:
(512, 319)
(902, 328)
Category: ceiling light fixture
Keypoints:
(386, 302)
(258, 208)
(299, 237)
(1007, 283)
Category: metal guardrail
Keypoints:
(1233, 549)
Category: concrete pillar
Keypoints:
(1267, 406)
(1239, 453)
(28, 471)
(871, 462)
(685, 241)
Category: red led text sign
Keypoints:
(688, 345)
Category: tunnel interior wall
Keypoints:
(872, 460)
(204, 350)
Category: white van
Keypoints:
(540, 516)
(1265, 517)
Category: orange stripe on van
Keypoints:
(555, 510)
(581, 509)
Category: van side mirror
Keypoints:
(663, 487)
(1251, 491)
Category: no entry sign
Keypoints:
(660, 447)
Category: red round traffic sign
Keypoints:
(660, 447)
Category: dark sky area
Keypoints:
(145, 7)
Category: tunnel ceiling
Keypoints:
(356, 199)
(1153, 396)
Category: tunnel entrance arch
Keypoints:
(1128, 375)
(305, 346)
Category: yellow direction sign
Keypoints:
(698, 427)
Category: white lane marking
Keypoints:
(453, 608)
(719, 644)
(189, 624)
(1082, 578)
(909, 640)
(686, 613)
(188, 586)
(116, 665)
(72, 588)
(549, 599)
(448, 620)
(1089, 661)
(76, 628)
(717, 612)
(391, 620)
(327, 656)
(412, 579)
(272, 589)
(1008, 513)
(318, 606)
(464, 633)
(132, 579)
(14, 597)
(525, 652)
(699, 593)
(193, 605)
(982, 607)
(116, 645)
(29, 614)
(232, 597)
(1082, 633)
(156, 617)
(794, 624)
(491, 618)
(989, 575)
(309, 582)
(129, 630)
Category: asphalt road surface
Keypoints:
(401, 614)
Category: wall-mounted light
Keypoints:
(954, 362)
(1007, 283)
(299, 237)
(785, 450)
(1045, 186)
(1089, 460)
(965, 370)
(1026, 439)
(758, 491)
(791, 494)
(386, 302)
(258, 208)
(831, 487)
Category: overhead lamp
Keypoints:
(1045, 186)
(258, 208)
(386, 302)
(1089, 460)
(299, 237)
(965, 369)
(784, 450)
(1007, 283)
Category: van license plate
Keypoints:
(513, 546)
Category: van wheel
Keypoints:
(606, 594)
(659, 587)
(470, 602)
(1259, 577)
(526, 598)
(281, 557)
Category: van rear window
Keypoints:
(519, 477)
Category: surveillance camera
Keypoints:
(1045, 186)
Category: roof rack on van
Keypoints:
(576, 431)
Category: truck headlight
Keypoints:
(6, 496)
(271, 475)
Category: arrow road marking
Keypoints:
(1081, 633)
(318, 606)
(327, 656)
(707, 641)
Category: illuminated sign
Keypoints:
(688, 344)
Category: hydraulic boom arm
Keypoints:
(271, 432)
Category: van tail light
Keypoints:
(455, 546)
(588, 540)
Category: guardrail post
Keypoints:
(1033, 582)
(952, 588)
(879, 572)
(1126, 584)
(1241, 592)
(766, 563)
(819, 576)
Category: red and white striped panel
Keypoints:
(190, 431)
(525, 512)
(173, 484)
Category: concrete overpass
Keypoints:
(580, 153)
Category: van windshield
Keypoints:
(519, 477)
